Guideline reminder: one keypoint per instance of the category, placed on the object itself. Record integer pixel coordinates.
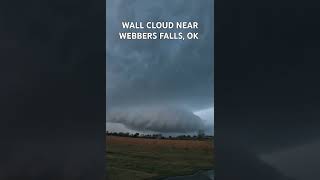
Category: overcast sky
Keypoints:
(162, 85)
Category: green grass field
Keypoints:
(137, 158)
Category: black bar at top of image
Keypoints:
(52, 113)
(267, 90)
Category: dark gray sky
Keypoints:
(160, 73)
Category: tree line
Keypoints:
(200, 136)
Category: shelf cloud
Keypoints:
(157, 119)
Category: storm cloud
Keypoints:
(153, 72)
(157, 119)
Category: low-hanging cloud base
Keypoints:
(157, 119)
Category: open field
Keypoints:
(131, 158)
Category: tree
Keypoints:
(136, 135)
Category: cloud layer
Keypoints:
(157, 119)
(179, 73)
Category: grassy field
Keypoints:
(138, 158)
